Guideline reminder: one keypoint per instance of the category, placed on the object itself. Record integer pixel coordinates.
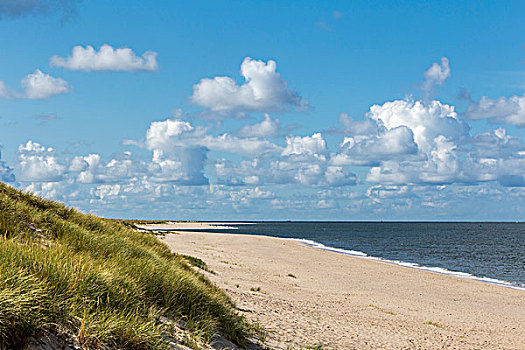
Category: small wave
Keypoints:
(332, 249)
(435, 269)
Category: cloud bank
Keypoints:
(404, 156)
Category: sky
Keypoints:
(266, 110)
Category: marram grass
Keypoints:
(64, 271)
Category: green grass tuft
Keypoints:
(315, 347)
(193, 261)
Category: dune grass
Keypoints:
(64, 271)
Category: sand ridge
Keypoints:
(305, 296)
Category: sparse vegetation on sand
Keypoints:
(64, 272)
(435, 324)
(313, 347)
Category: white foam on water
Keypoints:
(435, 269)
(332, 249)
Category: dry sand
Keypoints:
(348, 302)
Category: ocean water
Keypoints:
(491, 252)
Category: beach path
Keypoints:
(306, 296)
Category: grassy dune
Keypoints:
(64, 271)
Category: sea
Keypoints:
(489, 252)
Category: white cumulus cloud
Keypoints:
(437, 131)
(395, 143)
(91, 169)
(263, 90)
(52, 190)
(426, 120)
(307, 145)
(39, 85)
(436, 75)
(104, 191)
(355, 127)
(177, 155)
(501, 110)
(106, 58)
(6, 172)
(495, 155)
(303, 160)
(268, 127)
(180, 150)
(165, 136)
(184, 166)
(39, 164)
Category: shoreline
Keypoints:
(306, 296)
(416, 266)
(204, 226)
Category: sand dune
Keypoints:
(309, 296)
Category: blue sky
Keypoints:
(267, 110)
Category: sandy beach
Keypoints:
(182, 226)
(306, 296)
